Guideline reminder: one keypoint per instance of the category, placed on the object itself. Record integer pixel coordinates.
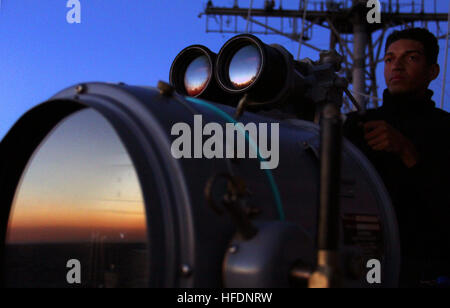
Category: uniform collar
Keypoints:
(407, 103)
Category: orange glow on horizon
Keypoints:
(67, 224)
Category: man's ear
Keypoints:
(434, 71)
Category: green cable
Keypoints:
(227, 117)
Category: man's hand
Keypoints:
(383, 137)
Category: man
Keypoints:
(408, 142)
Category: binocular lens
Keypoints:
(244, 67)
(197, 76)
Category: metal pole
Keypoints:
(446, 61)
(328, 274)
(249, 15)
(303, 29)
(359, 52)
(330, 158)
(373, 73)
(333, 40)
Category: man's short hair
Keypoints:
(428, 40)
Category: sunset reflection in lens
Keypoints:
(79, 198)
(244, 67)
(73, 189)
(197, 76)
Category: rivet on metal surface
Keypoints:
(80, 89)
(186, 270)
(233, 249)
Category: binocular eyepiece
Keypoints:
(247, 65)
(192, 72)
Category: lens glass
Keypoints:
(245, 66)
(197, 76)
(78, 219)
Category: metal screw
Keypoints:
(80, 88)
(233, 249)
(186, 270)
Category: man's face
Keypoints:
(406, 69)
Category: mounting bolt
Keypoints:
(80, 89)
(165, 88)
(186, 270)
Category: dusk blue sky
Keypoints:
(133, 41)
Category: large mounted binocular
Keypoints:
(266, 75)
(244, 65)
